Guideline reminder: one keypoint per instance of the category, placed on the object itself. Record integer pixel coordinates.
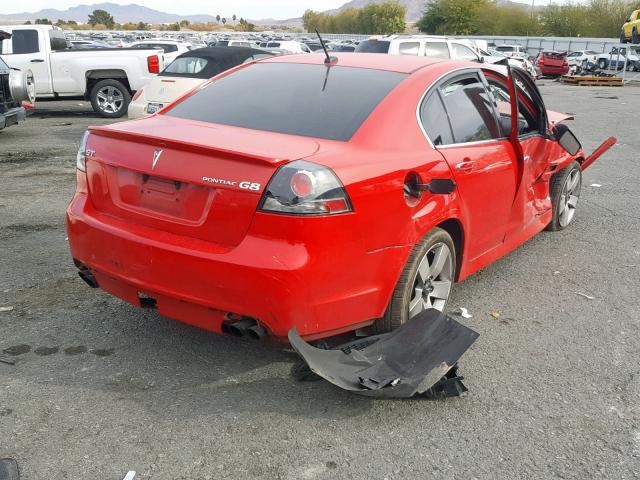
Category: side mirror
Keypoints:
(567, 139)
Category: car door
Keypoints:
(26, 50)
(483, 164)
(531, 198)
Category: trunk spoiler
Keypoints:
(420, 357)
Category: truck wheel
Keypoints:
(565, 191)
(602, 64)
(425, 282)
(110, 98)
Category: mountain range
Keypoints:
(138, 13)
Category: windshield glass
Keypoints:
(308, 100)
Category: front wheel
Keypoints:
(110, 98)
(565, 192)
(425, 282)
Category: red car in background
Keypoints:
(552, 64)
(329, 197)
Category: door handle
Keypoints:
(37, 60)
(465, 166)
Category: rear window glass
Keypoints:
(307, 100)
(187, 65)
(373, 46)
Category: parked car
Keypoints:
(232, 43)
(286, 46)
(290, 197)
(552, 64)
(170, 48)
(420, 45)
(106, 77)
(578, 58)
(88, 44)
(186, 72)
(16, 91)
(617, 58)
(631, 28)
(493, 56)
(512, 50)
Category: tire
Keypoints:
(635, 38)
(110, 98)
(436, 242)
(564, 206)
(602, 64)
(623, 39)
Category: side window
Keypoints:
(168, 48)
(58, 40)
(471, 110)
(436, 49)
(25, 41)
(435, 120)
(409, 48)
(462, 52)
(527, 120)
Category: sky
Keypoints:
(242, 8)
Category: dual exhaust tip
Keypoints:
(245, 327)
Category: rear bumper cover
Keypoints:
(12, 117)
(280, 283)
(403, 363)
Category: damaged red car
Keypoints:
(321, 195)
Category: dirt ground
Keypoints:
(99, 387)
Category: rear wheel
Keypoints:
(425, 282)
(565, 192)
(110, 98)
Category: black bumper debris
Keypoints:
(418, 358)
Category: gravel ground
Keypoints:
(99, 387)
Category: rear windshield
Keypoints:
(307, 100)
(373, 46)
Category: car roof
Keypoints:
(376, 61)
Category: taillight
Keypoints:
(137, 95)
(153, 64)
(82, 153)
(305, 188)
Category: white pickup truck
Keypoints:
(107, 77)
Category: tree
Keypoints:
(224, 21)
(141, 26)
(28, 22)
(234, 17)
(185, 23)
(384, 18)
(217, 18)
(452, 17)
(103, 17)
(43, 21)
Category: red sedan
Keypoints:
(328, 197)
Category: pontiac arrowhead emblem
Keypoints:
(156, 157)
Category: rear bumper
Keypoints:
(547, 70)
(321, 288)
(12, 117)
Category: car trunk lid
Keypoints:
(187, 178)
(165, 90)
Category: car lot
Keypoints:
(103, 388)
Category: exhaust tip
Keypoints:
(88, 278)
(238, 326)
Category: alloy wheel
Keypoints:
(569, 198)
(110, 99)
(433, 279)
